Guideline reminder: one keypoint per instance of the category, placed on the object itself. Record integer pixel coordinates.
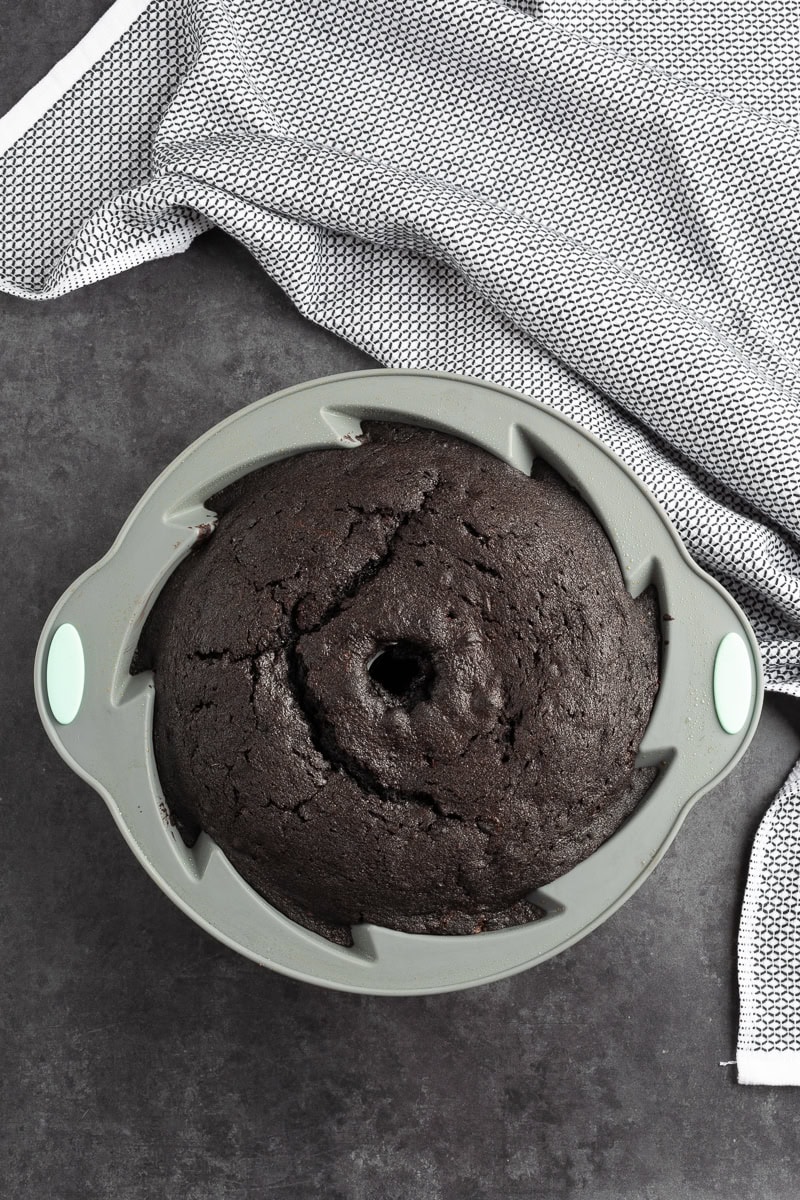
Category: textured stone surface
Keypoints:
(140, 1058)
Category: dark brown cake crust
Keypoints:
(402, 684)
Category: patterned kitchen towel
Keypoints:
(596, 202)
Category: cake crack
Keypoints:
(319, 728)
(373, 566)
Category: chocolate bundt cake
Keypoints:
(401, 684)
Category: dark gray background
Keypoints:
(142, 1059)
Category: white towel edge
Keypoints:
(775, 1068)
(35, 103)
(163, 246)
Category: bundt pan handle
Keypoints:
(99, 716)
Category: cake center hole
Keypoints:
(403, 670)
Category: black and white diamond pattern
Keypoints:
(596, 202)
(769, 940)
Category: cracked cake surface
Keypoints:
(402, 684)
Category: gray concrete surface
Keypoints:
(139, 1058)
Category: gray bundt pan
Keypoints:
(99, 716)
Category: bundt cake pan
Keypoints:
(99, 716)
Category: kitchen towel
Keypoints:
(596, 203)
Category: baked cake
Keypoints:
(401, 684)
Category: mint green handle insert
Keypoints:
(733, 683)
(66, 674)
